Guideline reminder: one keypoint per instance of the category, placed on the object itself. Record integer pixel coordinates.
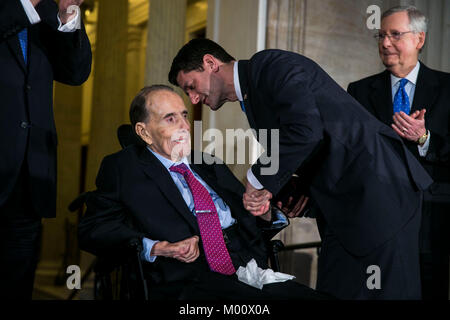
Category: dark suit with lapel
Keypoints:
(366, 185)
(432, 93)
(136, 197)
(27, 132)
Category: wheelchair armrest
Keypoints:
(274, 247)
(128, 259)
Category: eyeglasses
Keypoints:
(394, 37)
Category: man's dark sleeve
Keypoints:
(105, 225)
(69, 52)
(301, 128)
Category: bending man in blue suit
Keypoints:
(365, 186)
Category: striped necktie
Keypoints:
(216, 252)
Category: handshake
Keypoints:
(291, 200)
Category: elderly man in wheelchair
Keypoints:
(187, 218)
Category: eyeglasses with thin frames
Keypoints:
(394, 37)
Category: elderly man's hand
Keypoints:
(410, 127)
(65, 12)
(186, 250)
(256, 201)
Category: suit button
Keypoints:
(28, 87)
(24, 124)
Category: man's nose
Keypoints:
(185, 124)
(194, 97)
(386, 42)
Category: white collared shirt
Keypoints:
(237, 87)
(410, 89)
(33, 16)
(237, 84)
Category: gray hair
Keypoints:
(138, 108)
(417, 20)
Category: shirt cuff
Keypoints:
(278, 218)
(423, 150)
(72, 25)
(30, 11)
(147, 248)
(253, 181)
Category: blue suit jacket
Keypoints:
(361, 176)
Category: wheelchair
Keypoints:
(122, 277)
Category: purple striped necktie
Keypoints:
(209, 224)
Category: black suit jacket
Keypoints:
(432, 93)
(364, 180)
(27, 129)
(136, 197)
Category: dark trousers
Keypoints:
(345, 275)
(20, 230)
(217, 287)
(434, 251)
(434, 271)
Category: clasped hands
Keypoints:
(410, 127)
(185, 250)
(258, 203)
(65, 15)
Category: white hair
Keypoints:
(417, 20)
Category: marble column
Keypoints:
(109, 91)
(134, 70)
(166, 35)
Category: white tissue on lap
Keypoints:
(256, 277)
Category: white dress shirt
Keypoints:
(33, 16)
(237, 87)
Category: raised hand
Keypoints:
(185, 250)
(66, 13)
(410, 127)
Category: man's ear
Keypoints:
(210, 63)
(421, 43)
(142, 132)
